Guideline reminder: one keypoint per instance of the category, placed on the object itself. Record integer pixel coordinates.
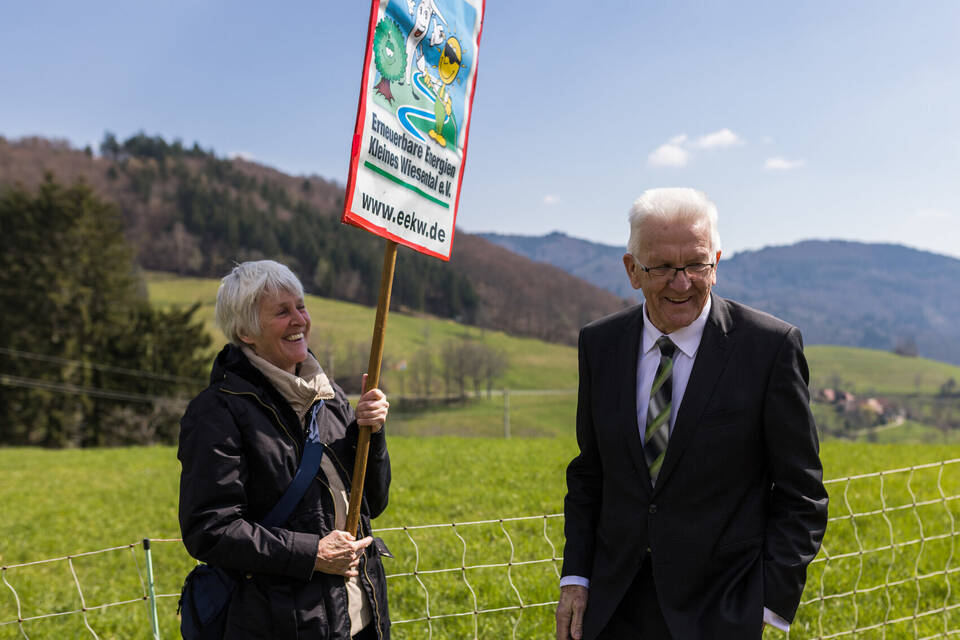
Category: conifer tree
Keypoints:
(74, 306)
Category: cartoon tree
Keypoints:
(389, 54)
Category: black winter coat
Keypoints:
(240, 446)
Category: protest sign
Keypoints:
(413, 119)
(409, 146)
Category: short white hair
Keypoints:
(238, 299)
(673, 204)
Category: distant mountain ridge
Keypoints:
(596, 263)
(878, 296)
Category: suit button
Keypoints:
(649, 550)
(653, 508)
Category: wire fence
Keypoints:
(887, 569)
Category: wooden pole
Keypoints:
(373, 381)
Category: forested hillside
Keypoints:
(188, 211)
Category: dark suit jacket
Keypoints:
(739, 508)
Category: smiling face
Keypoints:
(677, 300)
(284, 330)
(449, 65)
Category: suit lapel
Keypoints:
(711, 359)
(628, 352)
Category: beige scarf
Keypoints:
(301, 391)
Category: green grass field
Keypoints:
(64, 502)
(452, 464)
(530, 415)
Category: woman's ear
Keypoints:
(245, 339)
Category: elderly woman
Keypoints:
(241, 442)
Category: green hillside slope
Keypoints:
(876, 372)
(345, 326)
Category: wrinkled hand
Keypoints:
(339, 553)
(372, 407)
(573, 602)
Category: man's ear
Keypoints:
(633, 271)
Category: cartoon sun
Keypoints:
(447, 69)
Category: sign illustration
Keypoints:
(410, 140)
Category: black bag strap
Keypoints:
(309, 465)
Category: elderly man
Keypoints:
(697, 499)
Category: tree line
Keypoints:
(460, 365)
(207, 213)
(86, 360)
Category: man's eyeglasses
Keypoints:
(694, 271)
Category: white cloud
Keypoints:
(779, 163)
(668, 155)
(676, 152)
(718, 140)
(766, 140)
(551, 199)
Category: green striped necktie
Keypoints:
(657, 432)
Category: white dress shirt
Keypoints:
(687, 341)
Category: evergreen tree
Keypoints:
(74, 312)
(109, 147)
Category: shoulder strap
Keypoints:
(306, 472)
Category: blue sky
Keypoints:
(801, 120)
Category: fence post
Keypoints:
(151, 592)
(506, 414)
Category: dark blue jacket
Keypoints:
(240, 446)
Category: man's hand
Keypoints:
(339, 553)
(573, 602)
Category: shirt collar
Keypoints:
(687, 339)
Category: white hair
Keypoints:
(238, 299)
(676, 204)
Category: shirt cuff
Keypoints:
(580, 581)
(774, 620)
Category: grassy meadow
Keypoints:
(452, 464)
(64, 502)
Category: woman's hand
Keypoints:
(339, 553)
(372, 407)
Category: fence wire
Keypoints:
(888, 566)
(64, 609)
(887, 569)
(524, 578)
